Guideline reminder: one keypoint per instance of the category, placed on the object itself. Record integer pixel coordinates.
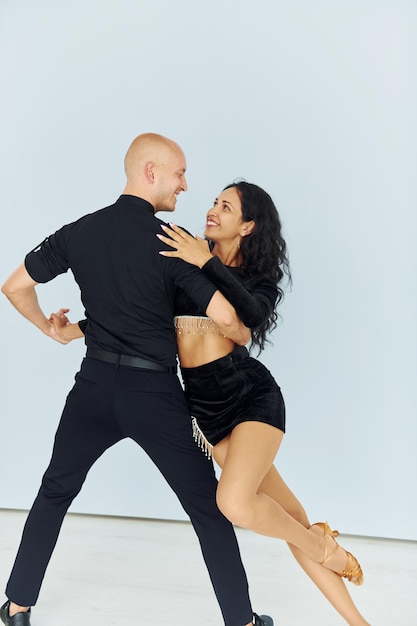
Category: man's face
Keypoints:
(169, 180)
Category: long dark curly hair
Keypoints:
(264, 250)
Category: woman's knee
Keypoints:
(236, 507)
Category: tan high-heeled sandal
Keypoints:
(353, 571)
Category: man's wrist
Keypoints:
(46, 327)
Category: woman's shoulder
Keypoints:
(252, 280)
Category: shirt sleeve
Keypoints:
(83, 325)
(48, 259)
(254, 307)
(190, 278)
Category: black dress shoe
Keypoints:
(20, 619)
(263, 620)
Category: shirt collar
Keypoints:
(135, 202)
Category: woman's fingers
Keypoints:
(175, 232)
(184, 246)
(173, 253)
(178, 230)
(170, 242)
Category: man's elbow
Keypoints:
(13, 291)
(6, 289)
(10, 288)
(18, 283)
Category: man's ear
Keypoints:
(149, 171)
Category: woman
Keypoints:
(237, 407)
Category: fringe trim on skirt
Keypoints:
(201, 440)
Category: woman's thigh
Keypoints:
(247, 455)
(272, 483)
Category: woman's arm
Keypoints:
(253, 308)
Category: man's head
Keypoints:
(155, 170)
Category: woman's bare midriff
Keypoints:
(195, 349)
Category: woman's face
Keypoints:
(224, 220)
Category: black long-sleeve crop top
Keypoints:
(253, 299)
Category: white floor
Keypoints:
(114, 571)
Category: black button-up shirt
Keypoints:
(127, 288)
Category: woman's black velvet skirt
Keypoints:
(236, 388)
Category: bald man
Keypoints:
(127, 384)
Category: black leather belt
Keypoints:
(129, 361)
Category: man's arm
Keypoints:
(20, 289)
(63, 328)
(224, 315)
(219, 309)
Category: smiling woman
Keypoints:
(237, 407)
(225, 220)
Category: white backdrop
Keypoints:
(314, 101)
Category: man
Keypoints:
(127, 385)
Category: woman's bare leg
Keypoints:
(252, 494)
(329, 583)
(252, 447)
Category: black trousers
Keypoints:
(109, 403)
